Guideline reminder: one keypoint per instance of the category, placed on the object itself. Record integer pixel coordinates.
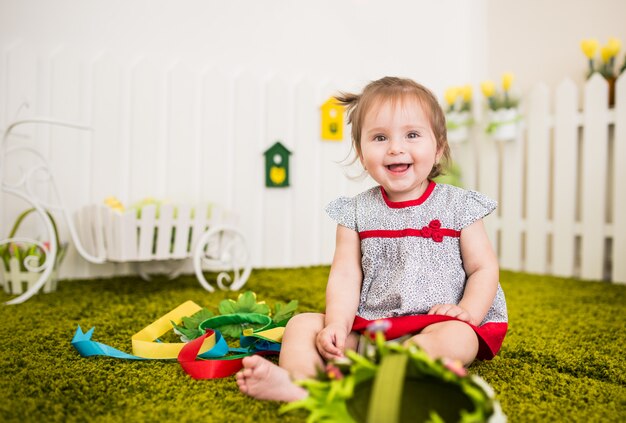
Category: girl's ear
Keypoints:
(439, 154)
(361, 161)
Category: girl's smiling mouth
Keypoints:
(398, 167)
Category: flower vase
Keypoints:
(458, 124)
(503, 124)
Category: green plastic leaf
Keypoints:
(246, 303)
(227, 307)
(189, 327)
(282, 312)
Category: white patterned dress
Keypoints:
(411, 258)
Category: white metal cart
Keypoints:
(206, 234)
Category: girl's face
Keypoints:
(398, 148)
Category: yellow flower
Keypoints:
(606, 53)
(488, 88)
(466, 92)
(589, 47)
(507, 80)
(615, 45)
(114, 203)
(450, 95)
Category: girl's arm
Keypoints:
(481, 266)
(342, 293)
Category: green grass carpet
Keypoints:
(564, 358)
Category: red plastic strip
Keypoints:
(211, 368)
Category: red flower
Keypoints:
(433, 230)
(435, 224)
(333, 372)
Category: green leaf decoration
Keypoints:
(189, 328)
(282, 312)
(246, 303)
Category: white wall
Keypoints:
(539, 40)
(184, 96)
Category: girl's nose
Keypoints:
(395, 146)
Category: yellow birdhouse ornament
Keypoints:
(332, 120)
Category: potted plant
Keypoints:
(606, 66)
(503, 114)
(458, 112)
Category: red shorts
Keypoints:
(490, 335)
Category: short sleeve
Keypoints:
(343, 211)
(476, 206)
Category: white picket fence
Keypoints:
(560, 184)
(196, 134)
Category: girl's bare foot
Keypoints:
(264, 380)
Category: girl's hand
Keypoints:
(451, 310)
(331, 341)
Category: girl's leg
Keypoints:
(452, 339)
(299, 359)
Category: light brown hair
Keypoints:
(397, 89)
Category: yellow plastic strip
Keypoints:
(143, 341)
(274, 334)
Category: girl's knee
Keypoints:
(306, 320)
(451, 339)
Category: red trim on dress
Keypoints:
(490, 335)
(433, 230)
(409, 203)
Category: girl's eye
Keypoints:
(380, 138)
(413, 135)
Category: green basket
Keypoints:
(393, 383)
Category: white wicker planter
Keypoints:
(206, 233)
(169, 232)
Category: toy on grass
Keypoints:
(204, 352)
(395, 383)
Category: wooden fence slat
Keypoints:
(537, 181)
(593, 178)
(217, 174)
(147, 130)
(332, 182)
(564, 178)
(183, 147)
(248, 185)
(127, 235)
(146, 226)
(305, 171)
(512, 157)
(108, 161)
(182, 224)
(488, 183)
(164, 224)
(276, 209)
(619, 181)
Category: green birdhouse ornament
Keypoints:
(277, 166)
